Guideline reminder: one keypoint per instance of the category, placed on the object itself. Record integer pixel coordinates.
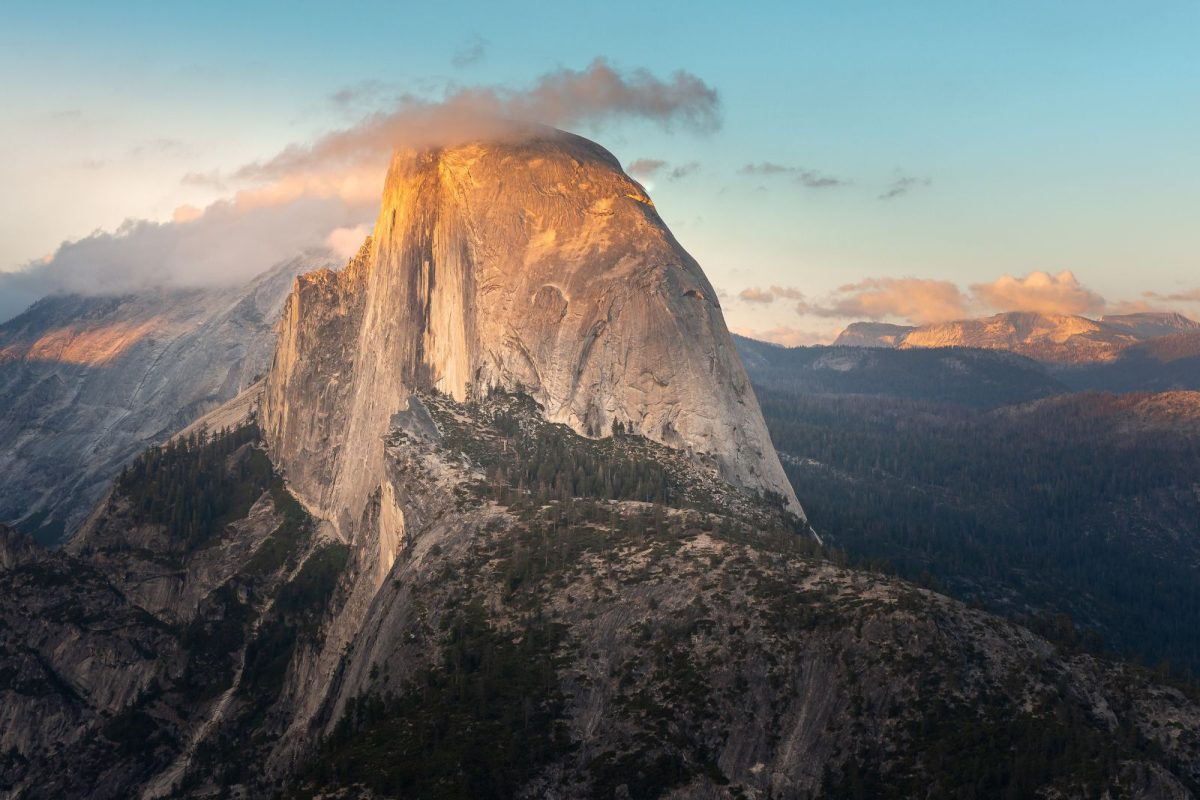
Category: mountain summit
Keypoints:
(535, 265)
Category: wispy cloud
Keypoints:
(902, 186)
(366, 94)
(810, 178)
(471, 53)
(168, 147)
(683, 170)
(648, 168)
(754, 294)
(645, 168)
(1188, 296)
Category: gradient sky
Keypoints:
(1018, 137)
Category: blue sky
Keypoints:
(1027, 137)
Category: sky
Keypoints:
(824, 162)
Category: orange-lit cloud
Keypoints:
(923, 301)
(754, 294)
(1040, 292)
(920, 300)
(186, 213)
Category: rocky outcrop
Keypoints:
(535, 263)
(89, 382)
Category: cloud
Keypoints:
(753, 294)
(786, 336)
(322, 193)
(648, 168)
(765, 168)
(365, 94)
(590, 97)
(1040, 292)
(809, 178)
(345, 242)
(645, 168)
(222, 245)
(187, 213)
(924, 301)
(471, 53)
(209, 180)
(1188, 296)
(683, 170)
(902, 186)
(172, 148)
(920, 300)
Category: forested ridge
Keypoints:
(196, 484)
(1065, 506)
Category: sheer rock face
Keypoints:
(536, 263)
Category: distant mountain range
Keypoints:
(1052, 338)
(959, 375)
(968, 376)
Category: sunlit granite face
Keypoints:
(532, 263)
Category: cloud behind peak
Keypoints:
(594, 96)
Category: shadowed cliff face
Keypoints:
(537, 264)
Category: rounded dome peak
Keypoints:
(512, 139)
